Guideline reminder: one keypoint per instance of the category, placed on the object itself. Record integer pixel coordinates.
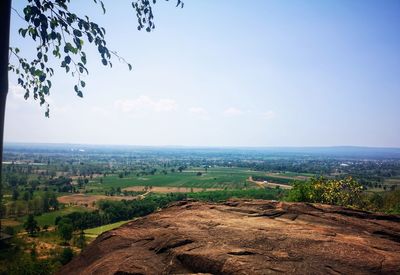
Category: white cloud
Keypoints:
(268, 114)
(145, 103)
(232, 112)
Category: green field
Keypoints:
(231, 178)
(49, 218)
(220, 178)
(94, 232)
(46, 218)
(293, 174)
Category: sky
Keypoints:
(227, 73)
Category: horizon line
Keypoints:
(204, 146)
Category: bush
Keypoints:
(25, 264)
(65, 229)
(391, 202)
(345, 192)
(66, 255)
(31, 225)
(215, 196)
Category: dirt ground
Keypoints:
(89, 200)
(262, 184)
(9, 222)
(283, 176)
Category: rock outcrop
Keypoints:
(247, 237)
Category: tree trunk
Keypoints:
(5, 10)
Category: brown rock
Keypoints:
(247, 237)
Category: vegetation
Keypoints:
(94, 232)
(64, 229)
(345, 192)
(31, 226)
(218, 196)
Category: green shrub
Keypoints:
(344, 192)
(66, 255)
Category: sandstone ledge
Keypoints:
(247, 237)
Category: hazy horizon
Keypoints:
(8, 143)
(217, 74)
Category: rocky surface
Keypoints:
(247, 237)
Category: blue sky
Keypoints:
(229, 73)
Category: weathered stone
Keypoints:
(247, 237)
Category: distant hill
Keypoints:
(335, 151)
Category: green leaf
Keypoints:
(37, 72)
(90, 37)
(67, 59)
(77, 33)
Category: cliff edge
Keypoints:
(247, 237)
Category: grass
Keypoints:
(231, 178)
(94, 232)
(215, 196)
(44, 219)
(294, 174)
(49, 218)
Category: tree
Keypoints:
(31, 225)
(65, 229)
(53, 202)
(66, 255)
(81, 240)
(15, 194)
(59, 34)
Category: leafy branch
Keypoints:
(62, 34)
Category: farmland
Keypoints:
(95, 189)
(217, 178)
(94, 232)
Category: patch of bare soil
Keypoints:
(90, 200)
(283, 176)
(262, 184)
(9, 222)
(166, 189)
(247, 237)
